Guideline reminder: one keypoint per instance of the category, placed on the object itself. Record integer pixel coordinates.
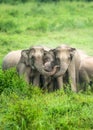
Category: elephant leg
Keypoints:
(45, 83)
(27, 78)
(60, 82)
(24, 71)
(27, 74)
(36, 79)
(72, 78)
(55, 84)
(50, 86)
(84, 79)
(21, 67)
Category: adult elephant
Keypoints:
(37, 62)
(69, 60)
(86, 72)
(11, 59)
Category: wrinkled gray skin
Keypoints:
(23, 67)
(36, 54)
(86, 72)
(11, 59)
(69, 60)
(36, 57)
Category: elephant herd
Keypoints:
(50, 69)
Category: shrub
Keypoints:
(10, 81)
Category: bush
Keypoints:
(46, 112)
(10, 81)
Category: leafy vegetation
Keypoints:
(25, 107)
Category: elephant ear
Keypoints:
(25, 56)
(31, 52)
(52, 51)
(72, 52)
(45, 52)
(25, 53)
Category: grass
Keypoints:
(23, 107)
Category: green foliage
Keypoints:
(23, 106)
(6, 26)
(9, 81)
(49, 24)
(47, 111)
(23, 1)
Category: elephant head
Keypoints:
(36, 57)
(49, 60)
(64, 55)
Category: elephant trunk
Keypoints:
(41, 69)
(60, 72)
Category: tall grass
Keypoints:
(30, 108)
(50, 24)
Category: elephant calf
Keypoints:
(49, 64)
(86, 72)
(11, 59)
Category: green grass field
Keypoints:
(23, 107)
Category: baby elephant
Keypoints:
(86, 72)
(49, 64)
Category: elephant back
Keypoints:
(11, 59)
